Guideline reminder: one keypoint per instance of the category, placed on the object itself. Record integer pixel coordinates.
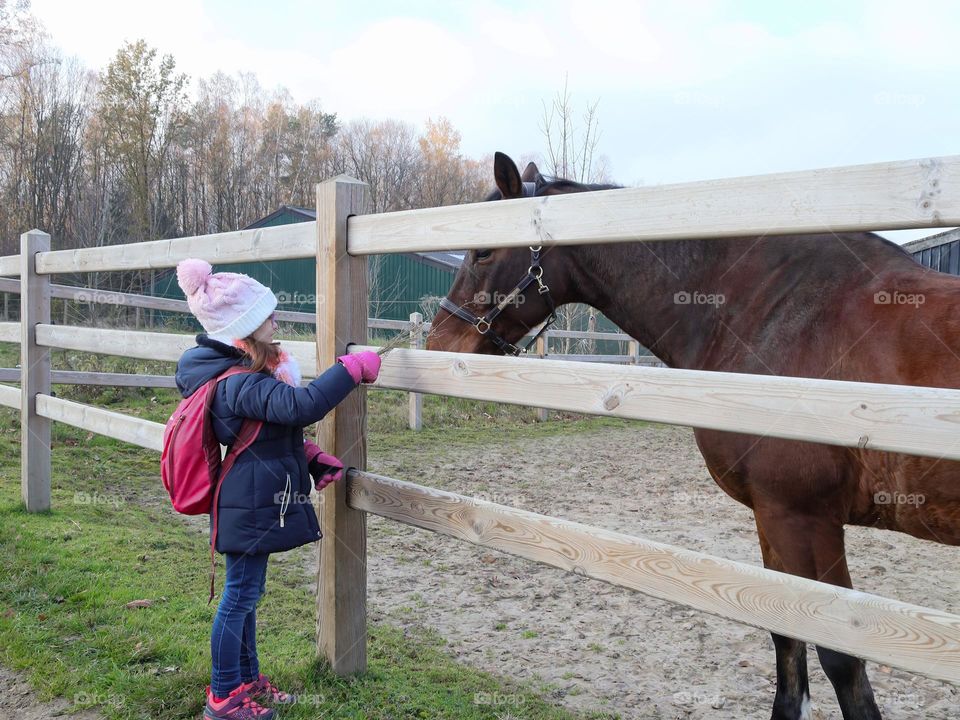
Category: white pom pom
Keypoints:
(192, 273)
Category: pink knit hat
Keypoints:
(230, 306)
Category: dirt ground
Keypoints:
(598, 647)
(18, 701)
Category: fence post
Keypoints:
(153, 293)
(416, 399)
(591, 327)
(633, 350)
(34, 375)
(542, 413)
(341, 319)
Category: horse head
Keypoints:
(500, 294)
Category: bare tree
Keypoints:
(18, 31)
(384, 155)
(572, 149)
(572, 154)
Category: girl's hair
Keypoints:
(263, 356)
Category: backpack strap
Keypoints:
(219, 469)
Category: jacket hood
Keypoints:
(204, 362)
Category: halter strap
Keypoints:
(484, 325)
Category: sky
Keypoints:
(685, 90)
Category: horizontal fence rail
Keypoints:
(883, 196)
(896, 418)
(78, 377)
(137, 431)
(10, 265)
(870, 416)
(148, 345)
(282, 242)
(888, 631)
(10, 396)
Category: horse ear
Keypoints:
(507, 176)
(530, 172)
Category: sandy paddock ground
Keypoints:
(597, 647)
(589, 645)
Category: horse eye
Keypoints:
(483, 254)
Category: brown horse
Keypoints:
(848, 306)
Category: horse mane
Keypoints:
(564, 185)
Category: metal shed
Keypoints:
(940, 252)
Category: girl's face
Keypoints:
(264, 333)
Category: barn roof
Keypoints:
(915, 246)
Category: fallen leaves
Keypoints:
(136, 604)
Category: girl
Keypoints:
(264, 505)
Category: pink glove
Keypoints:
(324, 468)
(363, 366)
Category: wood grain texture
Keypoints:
(145, 433)
(341, 319)
(884, 196)
(896, 418)
(272, 243)
(35, 375)
(898, 634)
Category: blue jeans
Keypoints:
(233, 642)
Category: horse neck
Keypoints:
(643, 288)
(787, 283)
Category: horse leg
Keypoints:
(792, 701)
(849, 677)
(812, 548)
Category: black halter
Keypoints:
(484, 325)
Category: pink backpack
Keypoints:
(190, 463)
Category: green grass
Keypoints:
(66, 576)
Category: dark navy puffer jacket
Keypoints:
(270, 478)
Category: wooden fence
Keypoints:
(920, 421)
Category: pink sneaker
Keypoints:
(265, 691)
(238, 705)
